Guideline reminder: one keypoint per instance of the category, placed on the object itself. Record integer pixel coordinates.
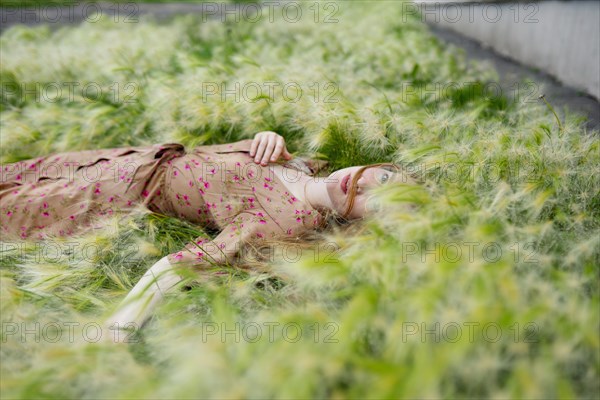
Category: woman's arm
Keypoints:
(135, 309)
(141, 301)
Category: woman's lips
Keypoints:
(344, 184)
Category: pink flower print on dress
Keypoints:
(179, 255)
(261, 219)
(145, 193)
(8, 214)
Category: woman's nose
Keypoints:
(361, 183)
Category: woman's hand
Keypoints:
(268, 147)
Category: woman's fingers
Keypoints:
(268, 150)
(279, 148)
(254, 145)
(286, 153)
(262, 144)
(268, 147)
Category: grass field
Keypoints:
(488, 288)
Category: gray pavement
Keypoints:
(127, 12)
(512, 75)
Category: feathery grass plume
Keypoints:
(480, 282)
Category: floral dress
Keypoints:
(216, 186)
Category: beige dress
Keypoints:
(216, 186)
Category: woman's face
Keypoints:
(339, 184)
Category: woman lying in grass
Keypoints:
(238, 189)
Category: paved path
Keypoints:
(129, 12)
(511, 74)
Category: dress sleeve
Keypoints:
(248, 226)
(242, 145)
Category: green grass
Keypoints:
(527, 193)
